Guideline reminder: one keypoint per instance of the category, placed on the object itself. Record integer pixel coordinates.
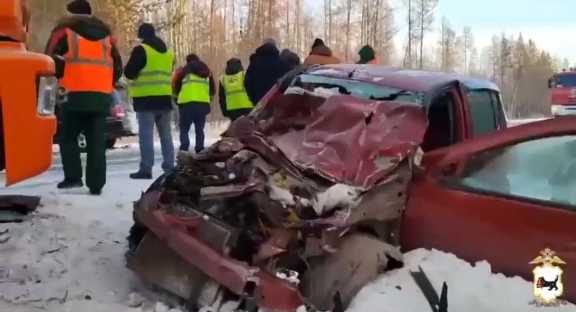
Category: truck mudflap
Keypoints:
(252, 283)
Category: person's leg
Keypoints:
(146, 141)
(199, 123)
(71, 126)
(163, 123)
(185, 123)
(96, 152)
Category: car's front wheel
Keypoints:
(340, 276)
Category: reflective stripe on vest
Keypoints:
(89, 64)
(194, 89)
(155, 79)
(236, 96)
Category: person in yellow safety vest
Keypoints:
(234, 100)
(150, 72)
(194, 88)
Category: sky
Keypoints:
(550, 23)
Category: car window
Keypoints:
(565, 80)
(541, 170)
(442, 124)
(359, 89)
(483, 111)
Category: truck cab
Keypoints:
(563, 93)
(28, 91)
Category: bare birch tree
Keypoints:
(424, 12)
(467, 47)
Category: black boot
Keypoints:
(141, 176)
(96, 192)
(67, 184)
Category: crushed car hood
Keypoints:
(342, 138)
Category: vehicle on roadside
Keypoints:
(563, 93)
(338, 170)
(119, 123)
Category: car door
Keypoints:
(502, 197)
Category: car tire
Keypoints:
(360, 259)
(110, 143)
(138, 230)
(81, 145)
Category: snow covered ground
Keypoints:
(471, 288)
(69, 257)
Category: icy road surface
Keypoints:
(69, 257)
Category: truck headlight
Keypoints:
(47, 94)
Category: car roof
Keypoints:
(405, 79)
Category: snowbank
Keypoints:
(471, 288)
(70, 255)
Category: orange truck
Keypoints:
(28, 94)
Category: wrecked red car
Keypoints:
(311, 196)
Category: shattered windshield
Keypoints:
(359, 89)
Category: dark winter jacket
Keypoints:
(321, 55)
(233, 67)
(133, 68)
(198, 68)
(93, 29)
(265, 69)
(291, 60)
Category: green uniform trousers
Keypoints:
(93, 125)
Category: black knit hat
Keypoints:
(79, 7)
(192, 57)
(318, 42)
(234, 62)
(146, 30)
(367, 54)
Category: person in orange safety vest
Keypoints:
(88, 65)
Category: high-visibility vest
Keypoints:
(155, 79)
(89, 65)
(236, 96)
(194, 89)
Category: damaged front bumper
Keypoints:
(251, 283)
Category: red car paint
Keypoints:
(346, 139)
(506, 232)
